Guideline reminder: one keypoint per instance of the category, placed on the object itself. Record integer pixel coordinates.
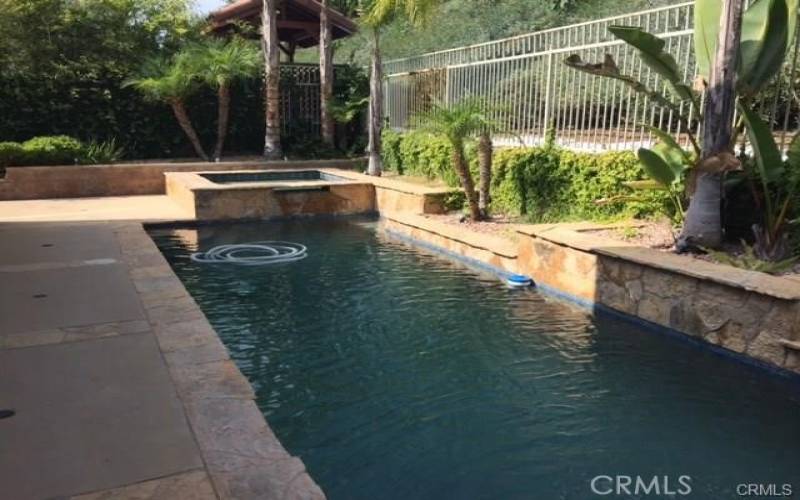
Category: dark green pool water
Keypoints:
(397, 374)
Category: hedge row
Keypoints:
(56, 150)
(543, 184)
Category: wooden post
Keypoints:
(271, 50)
(375, 163)
(703, 227)
(325, 75)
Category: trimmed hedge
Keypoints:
(56, 150)
(543, 184)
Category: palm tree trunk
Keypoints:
(271, 50)
(375, 166)
(325, 75)
(223, 113)
(462, 169)
(703, 226)
(179, 110)
(485, 164)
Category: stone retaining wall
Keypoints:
(492, 251)
(746, 312)
(128, 179)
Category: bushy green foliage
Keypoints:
(421, 154)
(464, 22)
(58, 150)
(64, 62)
(52, 150)
(96, 153)
(542, 184)
(11, 153)
(551, 184)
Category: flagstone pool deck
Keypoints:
(121, 388)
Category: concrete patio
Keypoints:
(120, 387)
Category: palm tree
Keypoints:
(218, 64)
(272, 79)
(457, 123)
(377, 14)
(485, 168)
(172, 83)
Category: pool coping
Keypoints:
(242, 455)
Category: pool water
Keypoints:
(272, 176)
(398, 374)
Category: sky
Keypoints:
(206, 6)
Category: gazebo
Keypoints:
(291, 24)
(298, 22)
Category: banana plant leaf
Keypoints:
(793, 156)
(769, 161)
(651, 51)
(609, 69)
(656, 167)
(768, 29)
(707, 14)
(670, 141)
(645, 185)
(767, 32)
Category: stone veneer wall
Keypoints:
(126, 179)
(743, 311)
(267, 203)
(749, 313)
(491, 251)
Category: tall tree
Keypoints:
(379, 13)
(272, 79)
(218, 64)
(325, 75)
(171, 83)
(703, 225)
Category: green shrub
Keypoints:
(96, 153)
(421, 154)
(542, 184)
(551, 184)
(52, 150)
(11, 153)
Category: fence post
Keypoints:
(447, 86)
(548, 95)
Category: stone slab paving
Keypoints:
(67, 297)
(111, 208)
(90, 416)
(122, 388)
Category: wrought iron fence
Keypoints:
(528, 89)
(300, 99)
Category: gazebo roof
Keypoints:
(298, 20)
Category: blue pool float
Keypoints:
(519, 281)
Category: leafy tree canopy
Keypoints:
(464, 22)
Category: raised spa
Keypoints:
(269, 194)
(397, 374)
(271, 176)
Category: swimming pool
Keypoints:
(397, 374)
